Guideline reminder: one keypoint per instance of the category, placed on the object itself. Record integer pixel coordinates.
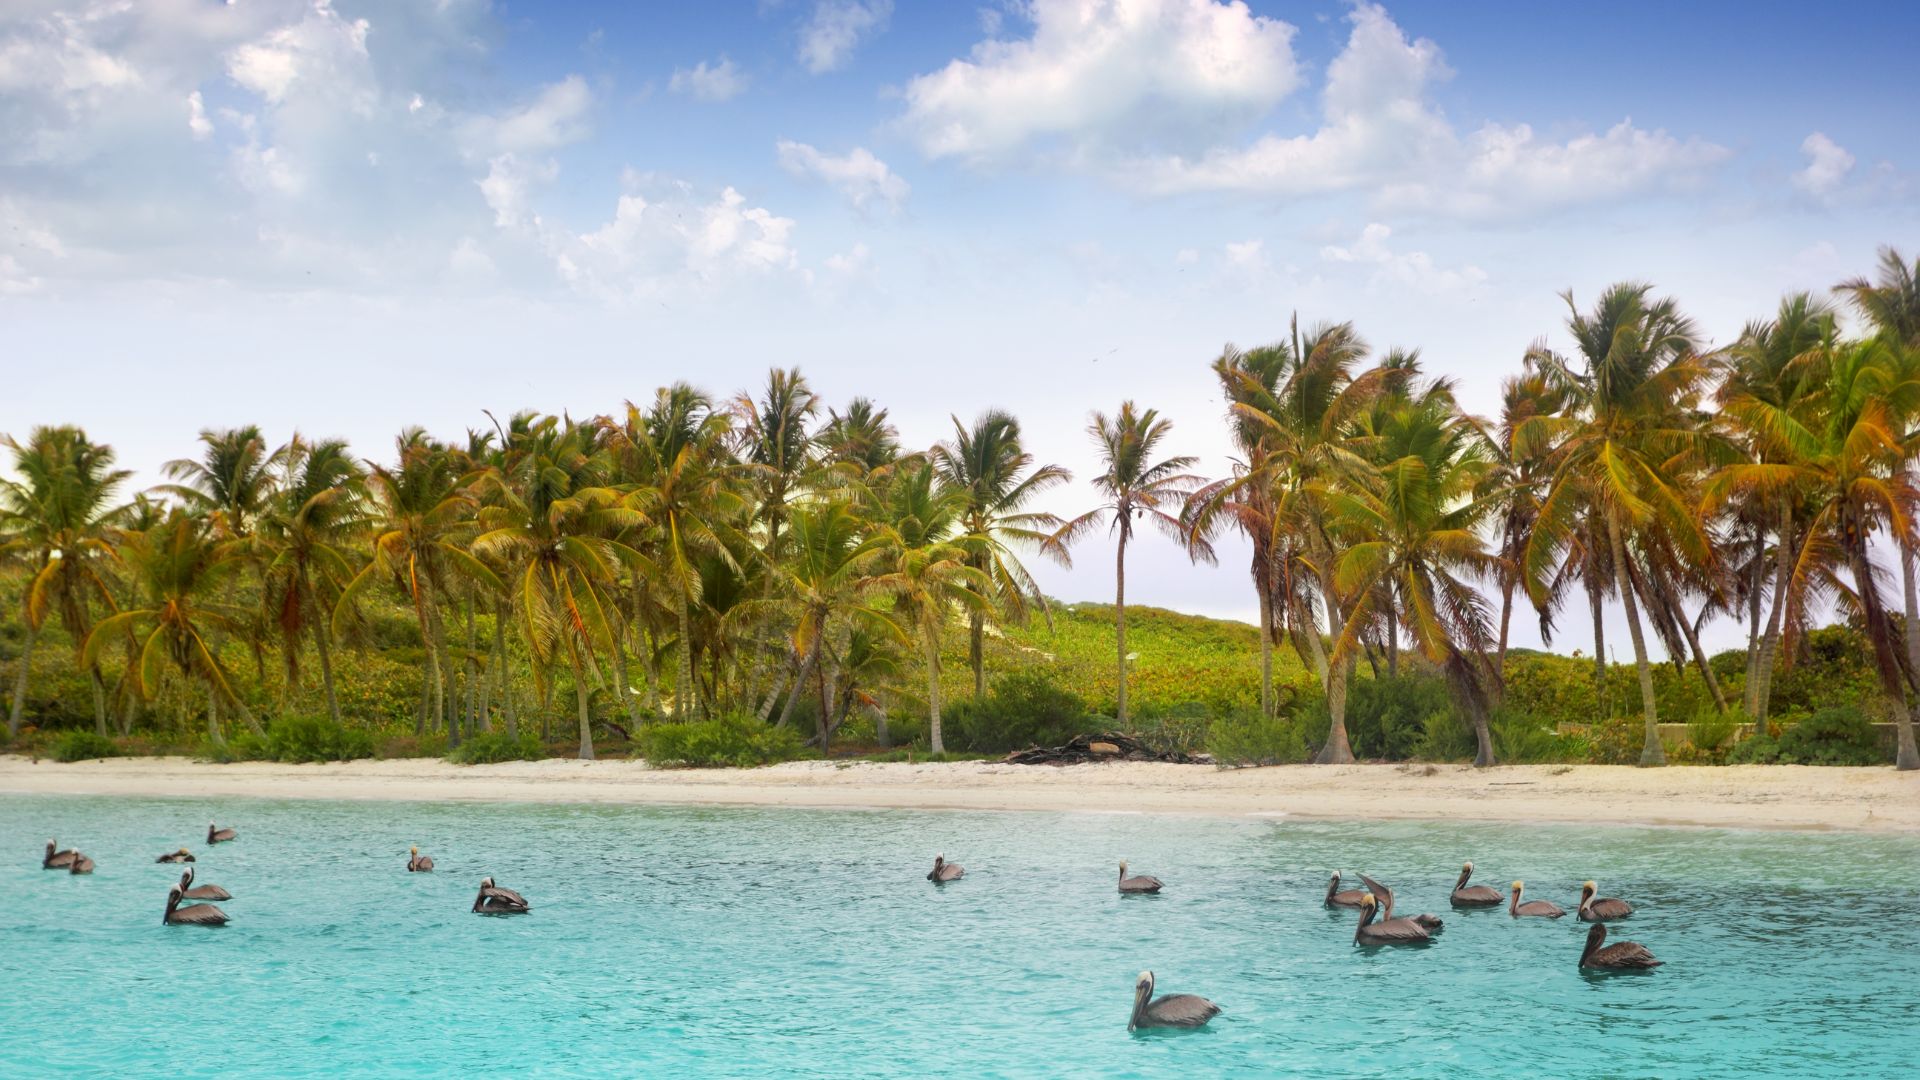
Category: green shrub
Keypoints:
(1755, 750)
(494, 747)
(735, 739)
(296, 739)
(1252, 739)
(1023, 709)
(1524, 739)
(84, 746)
(1709, 737)
(1404, 716)
(1616, 740)
(1837, 736)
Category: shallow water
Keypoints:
(722, 942)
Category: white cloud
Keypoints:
(1099, 74)
(556, 116)
(197, 121)
(865, 180)
(323, 47)
(1413, 269)
(702, 82)
(1186, 257)
(661, 230)
(1828, 164)
(508, 188)
(851, 261)
(836, 28)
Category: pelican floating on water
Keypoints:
(57, 860)
(80, 864)
(1545, 909)
(1173, 1010)
(190, 891)
(1140, 884)
(220, 836)
(1383, 894)
(418, 863)
(1402, 931)
(1338, 898)
(1472, 896)
(494, 900)
(1620, 956)
(944, 871)
(195, 915)
(1602, 908)
(183, 855)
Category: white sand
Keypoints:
(1752, 796)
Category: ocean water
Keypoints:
(737, 942)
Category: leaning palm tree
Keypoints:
(1630, 426)
(180, 568)
(996, 478)
(1519, 477)
(1132, 486)
(59, 517)
(303, 530)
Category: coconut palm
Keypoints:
(1519, 478)
(59, 518)
(861, 438)
(180, 569)
(233, 481)
(1629, 422)
(996, 479)
(315, 509)
(1132, 486)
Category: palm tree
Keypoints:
(60, 517)
(1520, 478)
(1415, 524)
(1132, 485)
(233, 481)
(862, 438)
(554, 520)
(1629, 425)
(996, 478)
(180, 567)
(314, 509)
(831, 581)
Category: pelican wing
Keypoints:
(1544, 908)
(1624, 954)
(1402, 929)
(80, 864)
(206, 892)
(1142, 883)
(424, 862)
(1181, 1010)
(495, 892)
(59, 860)
(1380, 893)
(199, 915)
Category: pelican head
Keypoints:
(183, 851)
(1367, 901)
(173, 901)
(1466, 866)
(1123, 868)
(1588, 888)
(486, 883)
(186, 877)
(413, 851)
(1518, 885)
(50, 845)
(1142, 993)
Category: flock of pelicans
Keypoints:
(1378, 926)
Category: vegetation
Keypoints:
(742, 580)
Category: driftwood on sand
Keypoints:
(1108, 747)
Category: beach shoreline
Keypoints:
(1750, 796)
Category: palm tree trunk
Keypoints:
(1266, 653)
(1700, 661)
(800, 684)
(1600, 694)
(774, 691)
(1506, 619)
(213, 718)
(20, 682)
(580, 701)
(247, 717)
(1911, 612)
(99, 687)
(1783, 576)
(935, 742)
(324, 647)
(683, 674)
(1757, 579)
(826, 707)
(1651, 753)
(976, 652)
(1120, 621)
(1879, 635)
(629, 701)
(1338, 749)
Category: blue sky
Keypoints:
(348, 217)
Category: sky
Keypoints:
(349, 217)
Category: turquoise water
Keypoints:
(730, 942)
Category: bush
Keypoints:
(1755, 750)
(1398, 717)
(1023, 709)
(295, 740)
(1617, 740)
(1252, 739)
(496, 746)
(735, 739)
(1521, 738)
(1709, 735)
(84, 746)
(1836, 736)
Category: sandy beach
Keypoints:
(1756, 796)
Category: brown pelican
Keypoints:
(1602, 908)
(1140, 884)
(1336, 898)
(494, 900)
(195, 915)
(57, 860)
(1383, 894)
(188, 891)
(417, 863)
(1546, 909)
(944, 871)
(183, 855)
(1173, 1010)
(80, 864)
(1391, 932)
(220, 836)
(1472, 896)
(1620, 956)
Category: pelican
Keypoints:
(188, 891)
(944, 871)
(417, 862)
(1336, 898)
(196, 915)
(494, 900)
(1141, 884)
(1391, 932)
(1380, 892)
(220, 836)
(57, 860)
(1173, 1010)
(1546, 909)
(183, 855)
(80, 864)
(1603, 908)
(1472, 896)
(1621, 956)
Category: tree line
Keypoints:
(764, 553)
